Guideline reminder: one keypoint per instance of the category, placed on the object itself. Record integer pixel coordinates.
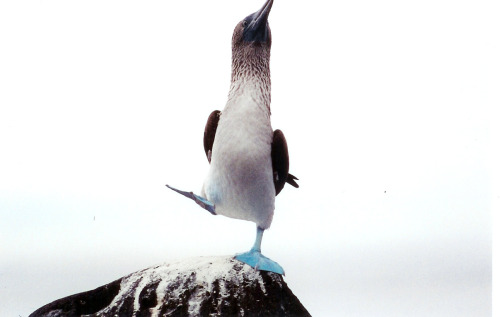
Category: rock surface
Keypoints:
(203, 286)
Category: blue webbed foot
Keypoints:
(202, 202)
(255, 259)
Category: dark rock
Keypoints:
(83, 303)
(208, 286)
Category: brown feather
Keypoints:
(279, 156)
(210, 130)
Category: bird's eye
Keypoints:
(244, 23)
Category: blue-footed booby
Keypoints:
(248, 160)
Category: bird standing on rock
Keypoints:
(248, 160)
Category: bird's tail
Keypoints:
(290, 179)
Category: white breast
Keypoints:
(239, 181)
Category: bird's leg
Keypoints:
(255, 259)
(202, 202)
(258, 239)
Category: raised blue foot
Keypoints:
(202, 202)
(255, 259)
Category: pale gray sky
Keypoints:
(387, 108)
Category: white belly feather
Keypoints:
(239, 181)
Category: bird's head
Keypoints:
(252, 36)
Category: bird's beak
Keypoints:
(260, 17)
(256, 30)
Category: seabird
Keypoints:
(248, 160)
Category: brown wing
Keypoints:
(209, 135)
(279, 156)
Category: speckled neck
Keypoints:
(251, 74)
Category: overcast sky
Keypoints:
(387, 107)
